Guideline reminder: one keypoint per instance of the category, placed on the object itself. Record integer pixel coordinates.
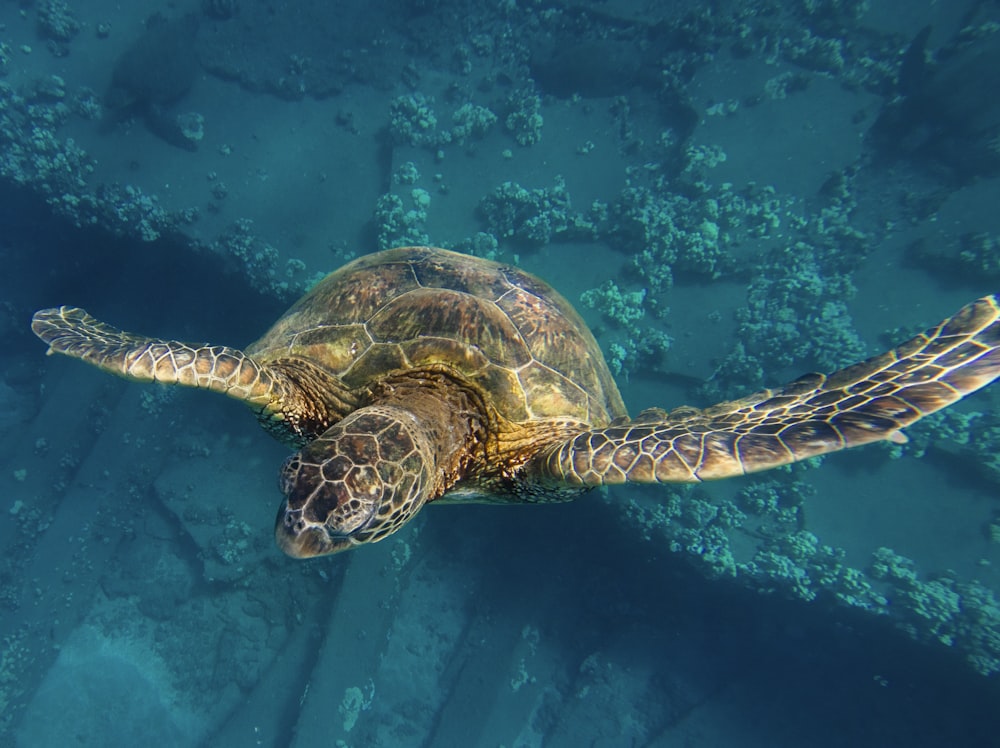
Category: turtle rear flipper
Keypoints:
(73, 332)
(867, 402)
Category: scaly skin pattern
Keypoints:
(291, 399)
(867, 402)
(73, 332)
(417, 375)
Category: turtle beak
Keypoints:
(301, 540)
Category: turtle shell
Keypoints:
(510, 334)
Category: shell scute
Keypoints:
(552, 394)
(378, 359)
(510, 334)
(427, 351)
(455, 315)
(338, 346)
(464, 274)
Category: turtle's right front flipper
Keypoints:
(73, 332)
(868, 402)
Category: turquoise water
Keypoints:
(730, 199)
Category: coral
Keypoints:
(421, 198)
(760, 497)
(87, 104)
(789, 563)
(354, 702)
(16, 658)
(232, 544)
(407, 173)
(787, 560)
(56, 21)
(849, 9)
(709, 547)
(461, 60)
(191, 127)
(853, 589)
(49, 88)
(674, 232)
(398, 226)
(900, 573)
(621, 308)
(471, 121)
(817, 53)
(682, 224)
(688, 522)
(32, 154)
(701, 157)
(350, 707)
(135, 213)
(797, 314)
(775, 571)
(651, 517)
(480, 244)
(524, 119)
(781, 85)
(412, 120)
(521, 676)
(644, 352)
(978, 627)
(631, 345)
(154, 399)
(256, 258)
(936, 603)
(537, 216)
(798, 565)
(964, 615)
(774, 499)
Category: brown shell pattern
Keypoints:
(511, 334)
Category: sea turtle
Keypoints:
(418, 374)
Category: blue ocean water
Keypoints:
(730, 194)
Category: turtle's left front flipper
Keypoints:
(867, 402)
(75, 333)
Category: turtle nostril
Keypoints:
(292, 520)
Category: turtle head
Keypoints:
(361, 480)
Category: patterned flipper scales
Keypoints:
(73, 332)
(867, 402)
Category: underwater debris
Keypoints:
(154, 73)
(946, 118)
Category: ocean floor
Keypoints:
(731, 196)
